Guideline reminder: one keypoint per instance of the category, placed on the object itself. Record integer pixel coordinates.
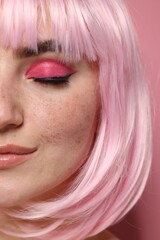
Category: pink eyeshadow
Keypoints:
(48, 68)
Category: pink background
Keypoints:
(143, 222)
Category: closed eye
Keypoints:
(53, 80)
(49, 71)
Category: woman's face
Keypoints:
(46, 129)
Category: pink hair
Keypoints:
(114, 176)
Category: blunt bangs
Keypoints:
(25, 23)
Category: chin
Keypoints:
(11, 200)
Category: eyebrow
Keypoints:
(42, 47)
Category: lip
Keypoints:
(13, 155)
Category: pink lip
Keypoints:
(12, 155)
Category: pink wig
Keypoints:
(112, 179)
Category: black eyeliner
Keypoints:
(53, 80)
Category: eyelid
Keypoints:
(47, 68)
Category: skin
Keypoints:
(105, 235)
(62, 139)
(59, 122)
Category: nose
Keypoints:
(10, 111)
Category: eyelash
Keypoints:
(54, 80)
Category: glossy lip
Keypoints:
(13, 155)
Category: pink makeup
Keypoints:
(48, 68)
(12, 155)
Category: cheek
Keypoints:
(70, 121)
